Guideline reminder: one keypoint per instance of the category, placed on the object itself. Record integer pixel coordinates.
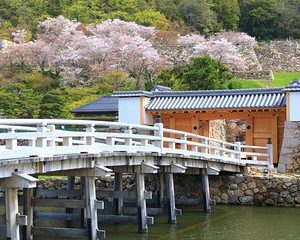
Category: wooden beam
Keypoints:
(28, 211)
(274, 127)
(205, 192)
(249, 131)
(159, 190)
(91, 210)
(148, 168)
(141, 203)
(121, 194)
(150, 211)
(11, 211)
(60, 232)
(118, 186)
(97, 171)
(171, 198)
(64, 203)
(19, 180)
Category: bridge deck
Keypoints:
(91, 149)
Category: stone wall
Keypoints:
(280, 56)
(258, 74)
(261, 60)
(289, 160)
(217, 129)
(280, 190)
(235, 128)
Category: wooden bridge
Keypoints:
(91, 149)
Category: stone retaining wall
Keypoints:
(280, 190)
(289, 160)
(282, 56)
(258, 74)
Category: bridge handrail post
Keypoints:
(204, 141)
(128, 141)
(270, 152)
(11, 143)
(41, 141)
(159, 133)
(238, 148)
(183, 146)
(90, 128)
(51, 128)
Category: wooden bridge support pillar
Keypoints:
(70, 186)
(82, 196)
(171, 198)
(160, 190)
(11, 212)
(13, 219)
(118, 187)
(205, 192)
(28, 211)
(91, 211)
(141, 203)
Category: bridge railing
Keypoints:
(55, 136)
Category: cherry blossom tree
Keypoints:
(84, 54)
(237, 38)
(191, 39)
(19, 36)
(110, 27)
(221, 50)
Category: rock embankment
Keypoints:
(280, 190)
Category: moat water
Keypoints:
(224, 223)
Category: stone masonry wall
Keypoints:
(261, 60)
(280, 190)
(280, 56)
(289, 160)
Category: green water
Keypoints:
(225, 223)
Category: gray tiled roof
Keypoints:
(131, 94)
(217, 99)
(294, 86)
(101, 105)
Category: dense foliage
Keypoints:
(201, 73)
(31, 97)
(264, 19)
(59, 46)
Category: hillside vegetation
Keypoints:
(264, 19)
(64, 53)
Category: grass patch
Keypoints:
(281, 79)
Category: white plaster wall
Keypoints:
(129, 110)
(148, 117)
(295, 106)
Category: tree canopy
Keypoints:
(264, 19)
(202, 73)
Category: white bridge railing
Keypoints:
(21, 138)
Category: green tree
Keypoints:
(205, 73)
(261, 18)
(151, 18)
(85, 11)
(199, 15)
(228, 12)
(170, 77)
(55, 104)
(19, 101)
(201, 73)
